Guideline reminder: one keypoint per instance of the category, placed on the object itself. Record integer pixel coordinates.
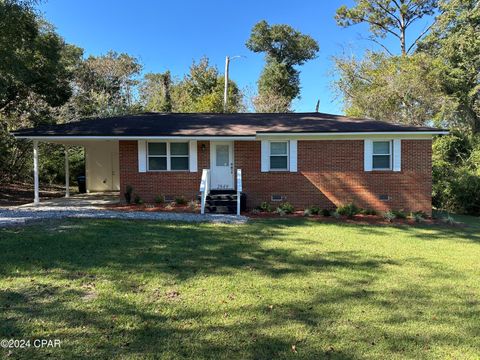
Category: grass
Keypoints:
(283, 289)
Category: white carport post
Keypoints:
(67, 173)
(36, 199)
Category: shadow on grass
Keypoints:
(130, 254)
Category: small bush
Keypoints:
(349, 210)
(180, 200)
(170, 206)
(138, 200)
(307, 212)
(128, 194)
(255, 211)
(314, 210)
(287, 208)
(336, 215)
(417, 217)
(389, 216)
(369, 212)
(280, 211)
(159, 199)
(400, 214)
(192, 205)
(326, 212)
(265, 207)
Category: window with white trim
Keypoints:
(168, 156)
(278, 155)
(382, 155)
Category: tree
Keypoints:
(36, 70)
(106, 85)
(284, 48)
(388, 17)
(270, 102)
(155, 92)
(201, 90)
(455, 39)
(395, 89)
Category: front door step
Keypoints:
(224, 202)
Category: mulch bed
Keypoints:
(357, 219)
(153, 208)
(22, 193)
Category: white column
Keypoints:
(67, 173)
(36, 199)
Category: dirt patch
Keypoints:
(22, 193)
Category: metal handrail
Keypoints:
(204, 188)
(239, 189)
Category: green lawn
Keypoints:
(123, 289)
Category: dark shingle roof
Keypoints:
(195, 124)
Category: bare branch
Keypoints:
(378, 43)
(420, 36)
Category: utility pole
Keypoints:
(225, 92)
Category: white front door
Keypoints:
(221, 165)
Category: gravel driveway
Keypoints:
(19, 216)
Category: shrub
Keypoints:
(180, 200)
(417, 217)
(400, 214)
(389, 216)
(420, 213)
(287, 207)
(192, 205)
(314, 210)
(369, 212)
(138, 200)
(280, 211)
(255, 211)
(336, 215)
(307, 212)
(170, 206)
(326, 212)
(349, 210)
(128, 194)
(265, 207)
(456, 173)
(159, 199)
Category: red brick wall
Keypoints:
(330, 173)
(150, 184)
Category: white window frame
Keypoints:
(169, 156)
(390, 154)
(287, 155)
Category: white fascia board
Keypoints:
(70, 138)
(352, 136)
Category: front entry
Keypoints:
(221, 165)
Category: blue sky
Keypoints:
(170, 34)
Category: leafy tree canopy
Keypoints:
(388, 17)
(394, 89)
(200, 90)
(284, 48)
(455, 39)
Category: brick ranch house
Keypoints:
(303, 158)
